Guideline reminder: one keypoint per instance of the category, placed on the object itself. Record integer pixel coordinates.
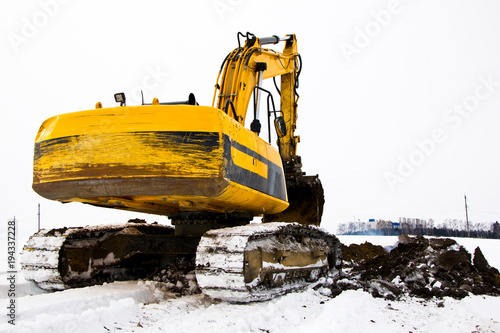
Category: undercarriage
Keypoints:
(242, 263)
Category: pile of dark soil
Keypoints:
(176, 279)
(417, 267)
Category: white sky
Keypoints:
(381, 85)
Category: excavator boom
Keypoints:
(242, 73)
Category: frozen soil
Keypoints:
(417, 266)
(176, 280)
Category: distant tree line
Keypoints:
(449, 228)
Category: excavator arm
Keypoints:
(242, 74)
(241, 77)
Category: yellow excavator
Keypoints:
(202, 168)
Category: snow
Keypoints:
(137, 306)
(77, 310)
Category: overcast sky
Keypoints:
(398, 114)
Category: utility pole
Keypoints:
(38, 216)
(467, 216)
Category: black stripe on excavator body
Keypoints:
(273, 185)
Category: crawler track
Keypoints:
(260, 261)
(40, 258)
(238, 264)
(64, 258)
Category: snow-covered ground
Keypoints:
(139, 307)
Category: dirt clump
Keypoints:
(177, 279)
(418, 266)
(355, 253)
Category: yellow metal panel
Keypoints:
(246, 197)
(249, 163)
(236, 198)
(124, 155)
(151, 118)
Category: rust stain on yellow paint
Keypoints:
(129, 155)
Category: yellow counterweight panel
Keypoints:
(110, 155)
(236, 198)
(145, 118)
(158, 159)
(249, 162)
